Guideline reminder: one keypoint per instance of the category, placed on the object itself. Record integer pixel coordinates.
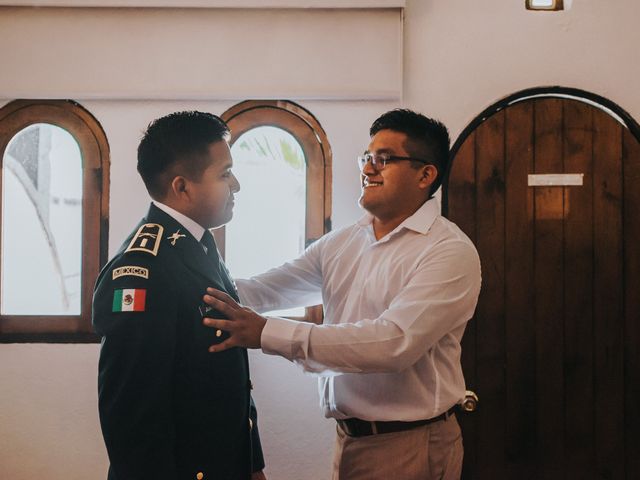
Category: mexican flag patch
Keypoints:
(129, 300)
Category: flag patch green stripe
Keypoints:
(117, 301)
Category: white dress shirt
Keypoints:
(395, 311)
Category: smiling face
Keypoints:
(397, 191)
(210, 197)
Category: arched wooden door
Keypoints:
(553, 350)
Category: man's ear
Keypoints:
(178, 186)
(429, 175)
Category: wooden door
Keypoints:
(553, 350)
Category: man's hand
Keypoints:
(258, 476)
(243, 325)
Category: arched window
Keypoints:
(53, 230)
(282, 159)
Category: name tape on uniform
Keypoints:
(131, 271)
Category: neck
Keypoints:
(382, 227)
(182, 211)
(382, 224)
(170, 203)
(177, 207)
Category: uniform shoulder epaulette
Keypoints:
(147, 239)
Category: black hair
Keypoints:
(180, 140)
(428, 138)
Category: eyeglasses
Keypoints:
(380, 160)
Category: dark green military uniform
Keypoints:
(169, 409)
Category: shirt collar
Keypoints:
(424, 217)
(192, 226)
(420, 221)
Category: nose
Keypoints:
(235, 184)
(368, 169)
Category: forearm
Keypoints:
(368, 346)
(431, 305)
(296, 284)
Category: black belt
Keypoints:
(355, 427)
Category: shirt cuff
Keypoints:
(284, 337)
(244, 298)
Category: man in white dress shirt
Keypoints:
(398, 288)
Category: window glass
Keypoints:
(41, 223)
(268, 226)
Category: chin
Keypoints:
(223, 221)
(366, 206)
(364, 201)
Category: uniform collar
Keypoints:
(192, 226)
(184, 245)
(419, 222)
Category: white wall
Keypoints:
(460, 56)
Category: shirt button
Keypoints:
(199, 476)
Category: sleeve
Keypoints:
(439, 298)
(136, 318)
(294, 284)
(256, 447)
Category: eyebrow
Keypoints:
(381, 150)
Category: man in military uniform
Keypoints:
(170, 410)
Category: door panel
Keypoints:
(518, 295)
(552, 351)
(490, 344)
(631, 226)
(607, 296)
(548, 288)
(464, 210)
(578, 278)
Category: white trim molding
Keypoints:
(208, 3)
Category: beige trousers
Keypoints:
(430, 452)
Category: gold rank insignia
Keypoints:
(147, 239)
(175, 237)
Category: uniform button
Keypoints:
(199, 476)
(250, 424)
(218, 333)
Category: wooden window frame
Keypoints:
(94, 148)
(306, 129)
